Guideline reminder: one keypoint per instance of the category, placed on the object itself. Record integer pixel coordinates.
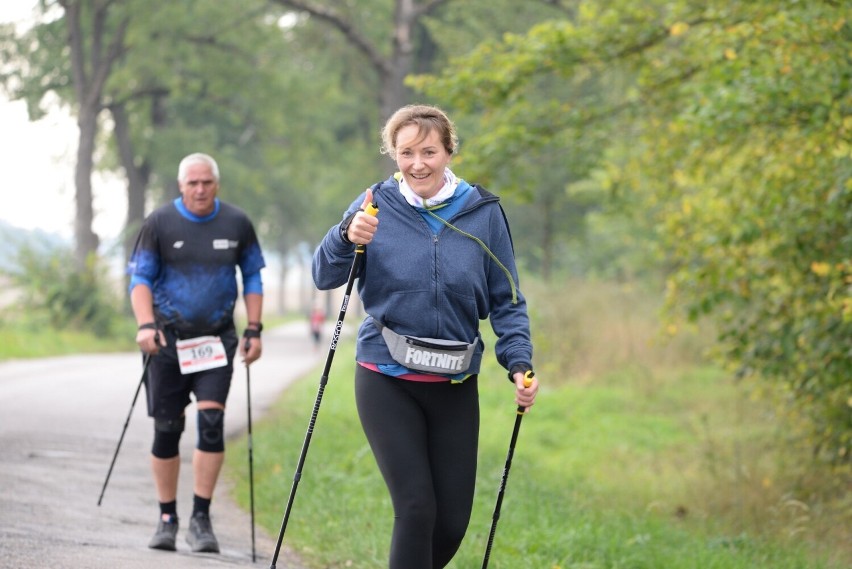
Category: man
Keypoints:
(183, 290)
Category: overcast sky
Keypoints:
(37, 164)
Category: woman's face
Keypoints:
(421, 160)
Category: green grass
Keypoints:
(28, 339)
(31, 337)
(629, 471)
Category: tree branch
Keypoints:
(114, 51)
(75, 42)
(152, 92)
(378, 61)
(427, 7)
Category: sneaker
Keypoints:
(200, 536)
(164, 537)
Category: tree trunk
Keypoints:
(137, 178)
(86, 241)
(394, 93)
(90, 67)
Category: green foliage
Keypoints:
(751, 189)
(737, 165)
(52, 288)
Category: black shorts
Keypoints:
(169, 390)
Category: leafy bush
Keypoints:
(53, 287)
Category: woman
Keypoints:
(438, 260)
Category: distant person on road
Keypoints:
(183, 290)
(438, 261)
(317, 318)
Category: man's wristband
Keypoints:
(148, 326)
(253, 332)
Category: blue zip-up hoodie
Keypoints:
(424, 284)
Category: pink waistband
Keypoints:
(424, 377)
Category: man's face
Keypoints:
(199, 189)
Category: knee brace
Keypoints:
(167, 434)
(211, 430)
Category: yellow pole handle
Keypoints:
(528, 377)
(371, 209)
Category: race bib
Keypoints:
(199, 354)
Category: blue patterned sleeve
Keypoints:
(145, 263)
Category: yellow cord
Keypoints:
(481, 244)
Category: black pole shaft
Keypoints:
(359, 253)
(250, 459)
(503, 480)
(126, 423)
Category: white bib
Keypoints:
(199, 354)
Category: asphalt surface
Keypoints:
(60, 422)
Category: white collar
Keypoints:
(445, 193)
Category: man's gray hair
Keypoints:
(195, 159)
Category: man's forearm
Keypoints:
(254, 307)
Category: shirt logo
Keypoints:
(178, 244)
(224, 244)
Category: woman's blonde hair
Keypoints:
(427, 118)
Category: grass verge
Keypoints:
(33, 338)
(631, 470)
(23, 339)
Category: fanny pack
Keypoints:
(431, 355)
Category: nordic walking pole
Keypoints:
(126, 423)
(371, 209)
(527, 382)
(250, 454)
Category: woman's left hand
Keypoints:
(525, 396)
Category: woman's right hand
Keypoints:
(363, 225)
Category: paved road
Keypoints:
(60, 420)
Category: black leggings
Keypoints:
(424, 437)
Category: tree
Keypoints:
(158, 84)
(93, 35)
(739, 163)
(389, 68)
(91, 65)
(167, 100)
